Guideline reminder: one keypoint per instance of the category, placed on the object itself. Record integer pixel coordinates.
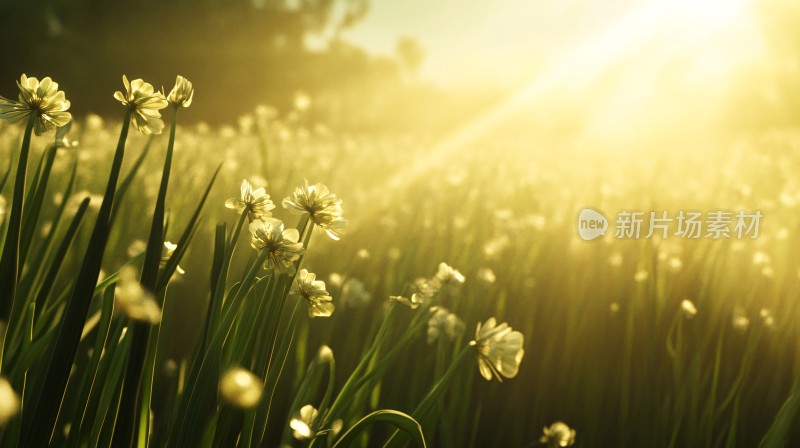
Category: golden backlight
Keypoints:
(508, 223)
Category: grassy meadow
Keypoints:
(113, 338)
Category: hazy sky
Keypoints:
(479, 41)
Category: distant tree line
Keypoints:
(238, 53)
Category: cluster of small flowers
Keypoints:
(283, 245)
(45, 107)
(499, 348)
(424, 289)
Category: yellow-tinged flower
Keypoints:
(688, 308)
(323, 208)
(303, 422)
(240, 388)
(319, 301)
(766, 318)
(499, 350)
(256, 202)
(282, 245)
(325, 355)
(133, 300)
(166, 253)
(443, 322)
(486, 275)
(9, 402)
(145, 102)
(354, 294)
(558, 435)
(409, 302)
(40, 99)
(182, 93)
(740, 320)
(447, 275)
(423, 289)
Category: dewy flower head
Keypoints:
(558, 435)
(240, 388)
(256, 202)
(282, 245)
(323, 208)
(499, 350)
(41, 100)
(307, 286)
(182, 93)
(135, 302)
(303, 422)
(145, 102)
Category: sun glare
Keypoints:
(712, 36)
(710, 14)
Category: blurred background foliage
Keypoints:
(247, 52)
(238, 53)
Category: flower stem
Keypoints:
(125, 433)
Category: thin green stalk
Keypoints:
(397, 348)
(350, 385)
(34, 207)
(204, 375)
(38, 425)
(143, 418)
(31, 282)
(274, 374)
(125, 433)
(434, 395)
(219, 274)
(9, 261)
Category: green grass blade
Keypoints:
(6, 175)
(61, 254)
(183, 242)
(125, 434)
(129, 178)
(9, 260)
(109, 397)
(786, 422)
(38, 425)
(34, 207)
(403, 422)
(89, 381)
(214, 302)
(201, 386)
(37, 263)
